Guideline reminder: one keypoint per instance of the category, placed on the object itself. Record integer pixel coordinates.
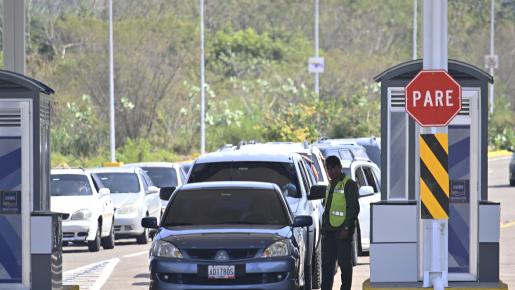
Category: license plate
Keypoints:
(221, 272)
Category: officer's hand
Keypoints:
(343, 234)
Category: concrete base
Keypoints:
(417, 286)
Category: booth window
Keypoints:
(397, 181)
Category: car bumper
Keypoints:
(78, 231)
(127, 225)
(258, 274)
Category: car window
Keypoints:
(226, 206)
(305, 178)
(371, 181)
(183, 176)
(120, 182)
(360, 177)
(281, 173)
(310, 170)
(96, 184)
(345, 154)
(144, 181)
(69, 185)
(318, 167)
(162, 176)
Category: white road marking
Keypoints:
(92, 276)
(136, 254)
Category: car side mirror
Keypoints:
(152, 189)
(149, 222)
(166, 193)
(302, 221)
(104, 191)
(317, 191)
(366, 191)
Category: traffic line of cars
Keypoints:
(103, 204)
(246, 217)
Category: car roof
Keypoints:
(152, 164)
(249, 154)
(114, 170)
(229, 185)
(78, 171)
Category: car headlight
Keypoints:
(128, 209)
(165, 249)
(83, 214)
(278, 249)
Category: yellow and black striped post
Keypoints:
(434, 176)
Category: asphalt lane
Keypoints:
(126, 266)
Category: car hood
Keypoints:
(70, 204)
(121, 199)
(223, 237)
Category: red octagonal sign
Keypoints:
(433, 98)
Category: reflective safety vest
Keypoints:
(337, 211)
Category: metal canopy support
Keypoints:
(14, 35)
(435, 232)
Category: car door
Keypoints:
(151, 199)
(105, 205)
(365, 177)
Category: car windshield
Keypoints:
(69, 185)
(281, 173)
(226, 207)
(374, 153)
(120, 182)
(162, 176)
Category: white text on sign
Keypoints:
(439, 100)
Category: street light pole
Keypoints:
(317, 75)
(111, 85)
(492, 53)
(202, 83)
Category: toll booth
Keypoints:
(396, 250)
(30, 255)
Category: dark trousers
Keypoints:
(333, 249)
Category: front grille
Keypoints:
(68, 235)
(246, 279)
(209, 254)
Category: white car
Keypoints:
(134, 196)
(88, 211)
(163, 174)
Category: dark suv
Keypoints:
(220, 235)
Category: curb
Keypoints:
(367, 285)
(499, 153)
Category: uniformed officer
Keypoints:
(341, 211)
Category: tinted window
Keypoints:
(360, 177)
(371, 181)
(120, 182)
(282, 174)
(374, 153)
(231, 206)
(69, 185)
(162, 176)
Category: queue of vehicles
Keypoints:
(246, 216)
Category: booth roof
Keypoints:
(410, 68)
(24, 81)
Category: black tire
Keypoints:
(143, 238)
(512, 182)
(316, 265)
(94, 246)
(108, 242)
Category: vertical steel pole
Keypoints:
(415, 28)
(202, 83)
(14, 35)
(492, 53)
(317, 75)
(111, 85)
(435, 57)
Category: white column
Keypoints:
(415, 29)
(112, 129)
(435, 57)
(14, 35)
(492, 53)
